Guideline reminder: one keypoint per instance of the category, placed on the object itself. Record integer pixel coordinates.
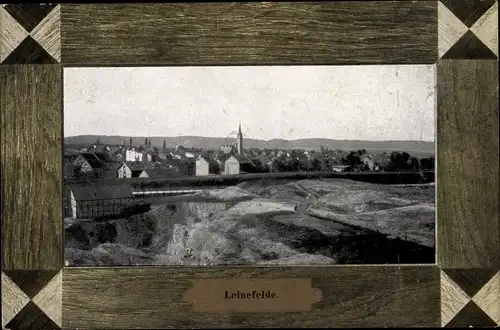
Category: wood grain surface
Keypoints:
(468, 228)
(13, 299)
(151, 297)
(353, 32)
(31, 97)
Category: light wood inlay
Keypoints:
(486, 28)
(453, 299)
(49, 299)
(13, 299)
(11, 34)
(488, 298)
(450, 29)
(48, 33)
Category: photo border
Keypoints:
(461, 289)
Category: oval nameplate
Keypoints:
(252, 295)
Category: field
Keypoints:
(306, 222)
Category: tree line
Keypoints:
(357, 161)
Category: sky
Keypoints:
(378, 102)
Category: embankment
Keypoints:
(302, 222)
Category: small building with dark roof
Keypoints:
(238, 164)
(84, 156)
(139, 174)
(89, 164)
(91, 201)
(117, 170)
(228, 149)
(205, 165)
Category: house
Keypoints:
(116, 154)
(370, 163)
(118, 170)
(82, 157)
(131, 155)
(92, 156)
(206, 166)
(228, 149)
(341, 168)
(147, 157)
(90, 201)
(238, 164)
(89, 165)
(139, 174)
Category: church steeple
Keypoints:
(240, 141)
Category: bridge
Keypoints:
(171, 191)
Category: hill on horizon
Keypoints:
(421, 147)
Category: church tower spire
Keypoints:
(240, 141)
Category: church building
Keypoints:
(235, 148)
(239, 147)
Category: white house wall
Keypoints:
(132, 156)
(73, 206)
(202, 167)
(124, 172)
(232, 166)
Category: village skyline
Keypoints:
(233, 134)
(373, 103)
(214, 143)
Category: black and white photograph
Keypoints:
(249, 165)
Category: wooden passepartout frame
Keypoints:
(40, 40)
